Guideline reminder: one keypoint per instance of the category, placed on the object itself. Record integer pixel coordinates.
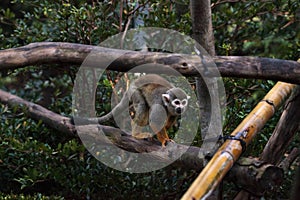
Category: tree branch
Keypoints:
(255, 176)
(282, 136)
(75, 54)
(285, 130)
(193, 158)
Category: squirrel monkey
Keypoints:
(152, 101)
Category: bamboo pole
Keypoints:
(234, 145)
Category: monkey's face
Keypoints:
(176, 101)
(179, 106)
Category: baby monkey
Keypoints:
(152, 101)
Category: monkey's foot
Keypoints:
(166, 141)
(170, 140)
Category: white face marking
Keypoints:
(180, 103)
(176, 102)
(166, 99)
(176, 106)
(184, 102)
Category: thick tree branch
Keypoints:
(284, 132)
(257, 176)
(232, 66)
(193, 158)
(289, 160)
(37, 112)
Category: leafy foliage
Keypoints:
(258, 28)
(44, 164)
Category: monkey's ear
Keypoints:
(166, 99)
(188, 97)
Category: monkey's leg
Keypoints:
(159, 121)
(137, 131)
(141, 116)
(163, 137)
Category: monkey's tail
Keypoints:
(105, 118)
(95, 120)
(118, 109)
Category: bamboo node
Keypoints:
(270, 102)
(236, 137)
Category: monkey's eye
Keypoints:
(184, 102)
(176, 102)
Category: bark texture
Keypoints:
(75, 54)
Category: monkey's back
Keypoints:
(152, 79)
(152, 86)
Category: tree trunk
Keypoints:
(207, 87)
(202, 25)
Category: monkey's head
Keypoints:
(176, 101)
